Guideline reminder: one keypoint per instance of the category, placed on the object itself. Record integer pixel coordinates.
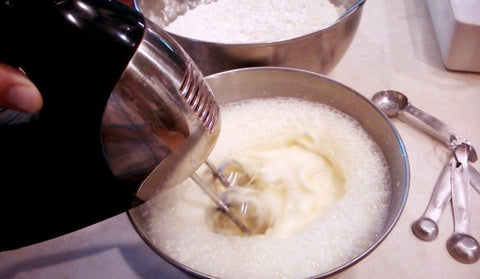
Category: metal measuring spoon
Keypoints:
(396, 104)
(426, 228)
(461, 245)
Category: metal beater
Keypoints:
(173, 121)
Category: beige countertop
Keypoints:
(395, 48)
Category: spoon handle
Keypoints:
(435, 128)
(461, 190)
(461, 245)
(433, 125)
(426, 227)
(441, 195)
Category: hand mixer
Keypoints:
(121, 98)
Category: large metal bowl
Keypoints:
(264, 82)
(319, 51)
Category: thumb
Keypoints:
(17, 91)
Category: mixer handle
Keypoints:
(56, 39)
(74, 51)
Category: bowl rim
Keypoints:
(134, 213)
(356, 10)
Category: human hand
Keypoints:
(17, 91)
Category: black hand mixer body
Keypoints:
(121, 98)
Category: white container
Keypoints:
(457, 28)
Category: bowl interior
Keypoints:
(319, 51)
(266, 82)
(168, 10)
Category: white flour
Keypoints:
(251, 21)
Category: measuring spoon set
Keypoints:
(453, 183)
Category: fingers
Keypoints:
(17, 91)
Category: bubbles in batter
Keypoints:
(319, 191)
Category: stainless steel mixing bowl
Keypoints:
(319, 51)
(265, 82)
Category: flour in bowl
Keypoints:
(252, 21)
(324, 182)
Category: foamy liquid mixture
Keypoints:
(328, 195)
(248, 21)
